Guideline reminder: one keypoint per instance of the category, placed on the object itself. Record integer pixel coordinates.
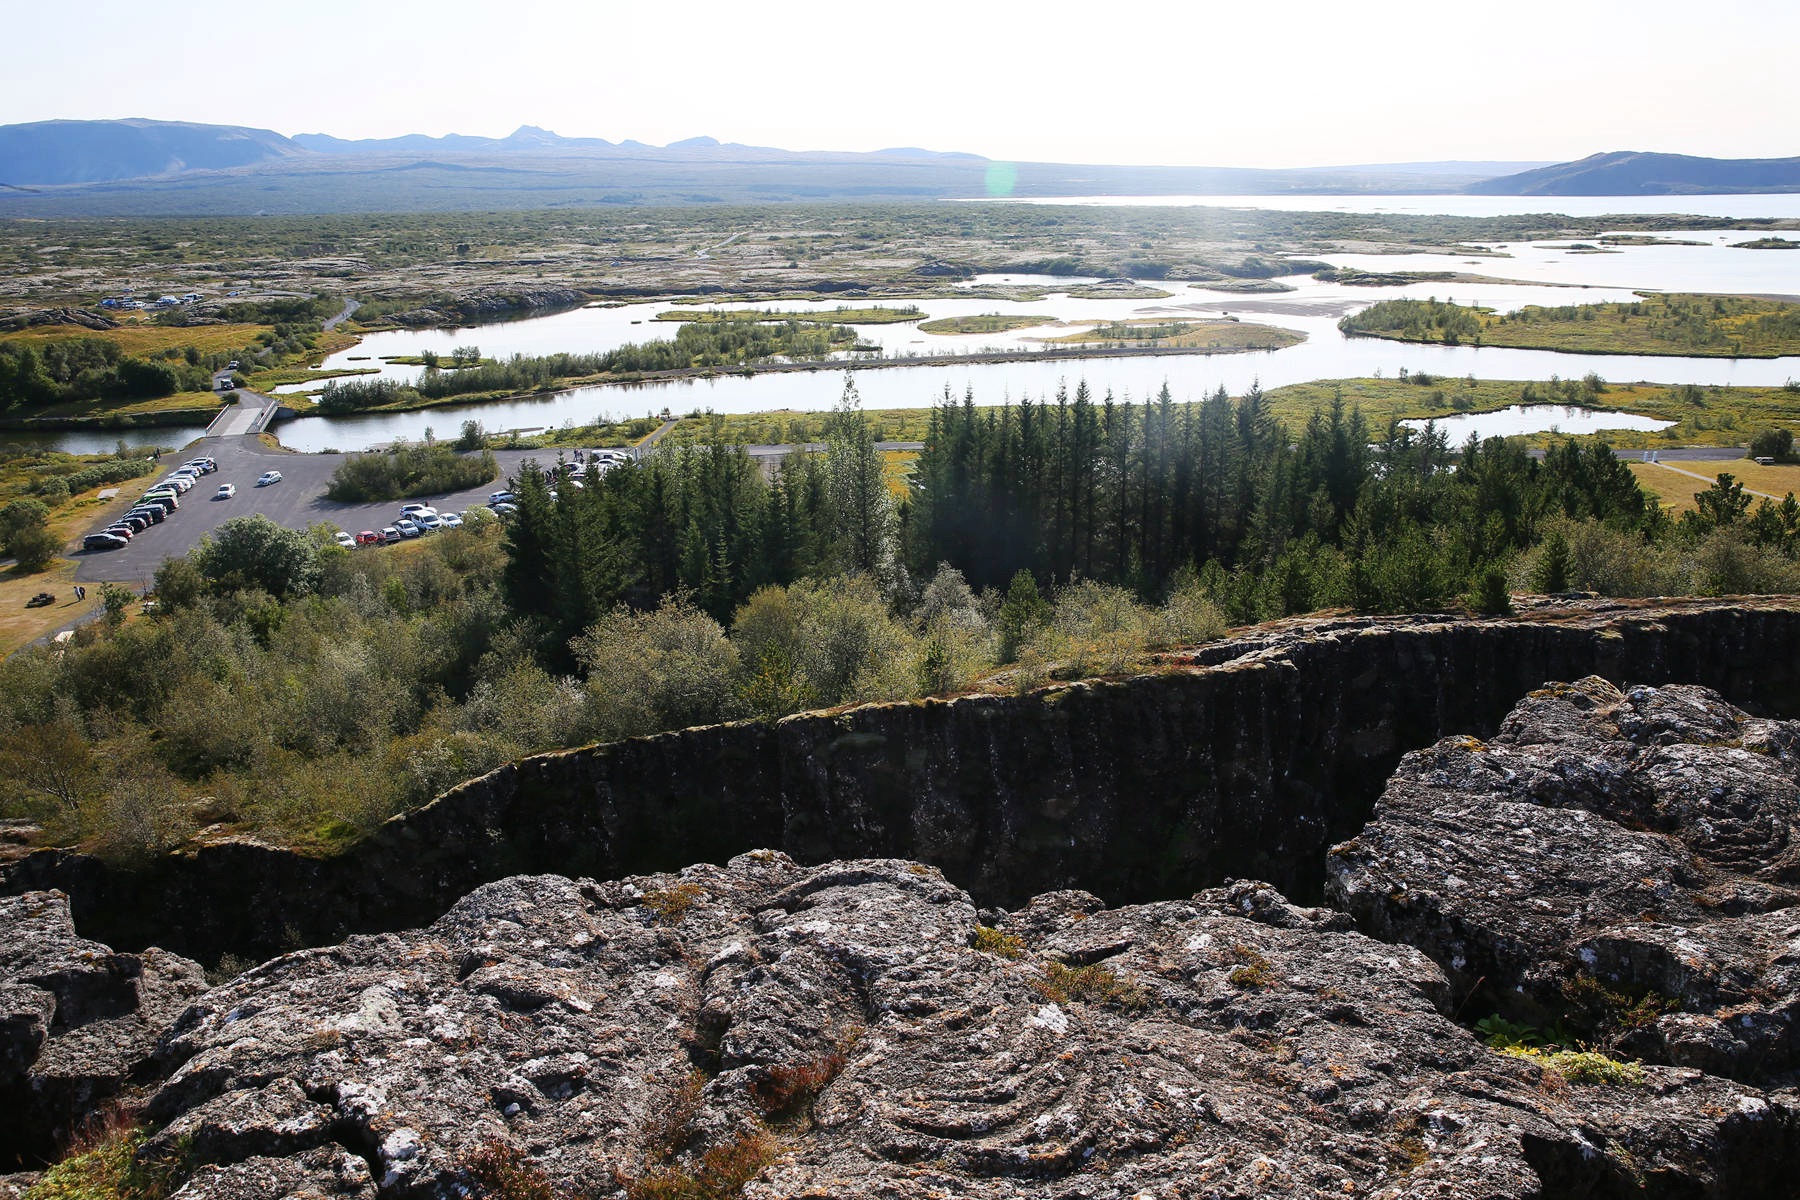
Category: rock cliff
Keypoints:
(1616, 860)
(1627, 862)
(854, 1030)
(1248, 758)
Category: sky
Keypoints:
(1279, 83)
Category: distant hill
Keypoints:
(58, 152)
(1633, 173)
(140, 167)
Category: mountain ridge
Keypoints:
(1645, 173)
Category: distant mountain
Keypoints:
(139, 167)
(1633, 173)
(55, 152)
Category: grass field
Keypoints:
(140, 340)
(1674, 485)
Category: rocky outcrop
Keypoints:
(1623, 862)
(77, 1020)
(852, 1029)
(1247, 758)
(81, 317)
(493, 304)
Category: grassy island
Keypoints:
(1676, 324)
(986, 323)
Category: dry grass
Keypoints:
(140, 339)
(1671, 487)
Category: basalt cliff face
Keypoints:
(1615, 865)
(1246, 759)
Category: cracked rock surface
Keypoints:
(1626, 861)
(833, 1031)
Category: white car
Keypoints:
(343, 539)
(430, 522)
(407, 528)
(268, 477)
(452, 520)
(226, 491)
(415, 511)
(180, 483)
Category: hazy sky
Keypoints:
(1244, 83)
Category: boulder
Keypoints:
(77, 1020)
(1621, 862)
(834, 1031)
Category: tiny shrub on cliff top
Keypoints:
(989, 940)
(104, 1163)
(1094, 984)
(1582, 1066)
(788, 1091)
(1253, 970)
(671, 904)
(501, 1171)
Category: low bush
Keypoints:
(409, 470)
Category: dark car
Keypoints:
(102, 541)
(136, 522)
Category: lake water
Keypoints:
(1548, 273)
(1536, 418)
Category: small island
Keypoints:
(1673, 324)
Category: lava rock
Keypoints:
(1627, 861)
(831, 1031)
(77, 1020)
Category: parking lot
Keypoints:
(297, 502)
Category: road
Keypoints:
(350, 306)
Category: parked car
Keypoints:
(407, 528)
(268, 477)
(136, 522)
(180, 483)
(124, 531)
(343, 539)
(414, 510)
(206, 466)
(156, 495)
(226, 491)
(430, 522)
(390, 535)
(102, 541)
(504, 509)
(150, 512)
(368, 537)
(452, 520)
(501, 497)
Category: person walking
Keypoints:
(80, 592)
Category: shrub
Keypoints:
(407, 471)
(1000, 944)
(787, 1090)
(1094, 629)
(502, 1171)
(665, 669)
(1095, 984)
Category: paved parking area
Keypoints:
(297, 502)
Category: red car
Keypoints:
(368, 537)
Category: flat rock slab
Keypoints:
(835, 1031)
(1624, 862)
